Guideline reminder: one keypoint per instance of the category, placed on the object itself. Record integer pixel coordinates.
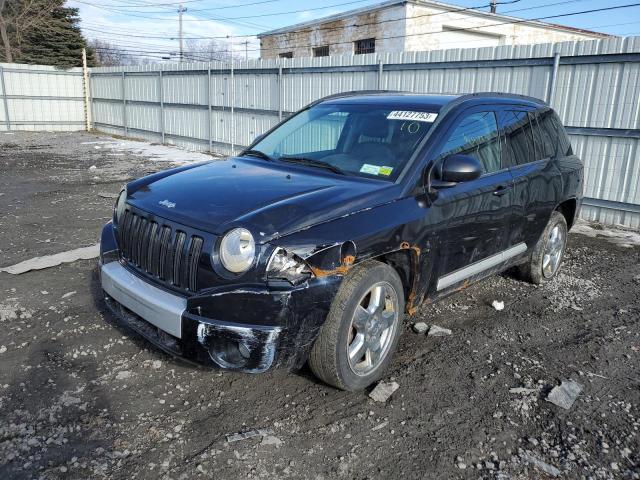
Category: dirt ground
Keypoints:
(82, 398)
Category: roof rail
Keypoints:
(354, 93)
(503, 95)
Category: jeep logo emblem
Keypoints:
(167, 203)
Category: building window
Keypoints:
(286, 55)
(368, 45)
(321, 51)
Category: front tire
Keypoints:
(361, 333)
(548, 252)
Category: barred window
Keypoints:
(368, 45)
(321, 51)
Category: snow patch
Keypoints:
(618, 236)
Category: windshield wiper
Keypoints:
(313, 163)
(257, 153)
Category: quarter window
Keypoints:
(545, 135)
(476, 135)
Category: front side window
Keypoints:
(364, 140)
(476, 135)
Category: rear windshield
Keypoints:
(363, 140)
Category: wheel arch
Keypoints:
(568, 208)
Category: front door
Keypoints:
(478, 213)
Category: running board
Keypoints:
(480, 266)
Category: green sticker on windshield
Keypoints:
(386, 171)
(370, 169)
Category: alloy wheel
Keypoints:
(372, 328)
(553, 250)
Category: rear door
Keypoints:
(478, 213)
(531, 144)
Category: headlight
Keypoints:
(237, 250)
(287, 266)
(118, 208)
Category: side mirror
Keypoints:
(455, 169)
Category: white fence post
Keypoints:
(280, 92)
(4, 99)
(85, 84)
(209, 122)
(161, 95)
(124, 104)
(554, 77)
(233, 118)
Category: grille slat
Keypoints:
(194, 258)
(153, 235)
(142, 240)
(169, 256)
(133, 239)
(178, 253)
(164, 250)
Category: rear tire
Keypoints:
(548, 252)
(361, 332)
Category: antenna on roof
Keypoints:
(494, 6)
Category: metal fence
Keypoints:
(594, 86)
(36, 97)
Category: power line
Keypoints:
(356, 25)
(288, 12)
(121, 6)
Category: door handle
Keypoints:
(502, 190)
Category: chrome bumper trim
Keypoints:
(160, 308)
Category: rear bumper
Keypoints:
(248, 328)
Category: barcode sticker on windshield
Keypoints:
(415, 116)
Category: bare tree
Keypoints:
(109, 55)
(208, 51)
(8, 55)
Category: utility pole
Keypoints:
(181, 10)
(494, 6)
(246, 50)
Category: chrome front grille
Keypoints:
(169, 255)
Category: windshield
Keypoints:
(372, 141)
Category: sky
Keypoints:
(150, 27)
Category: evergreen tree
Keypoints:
(43, 32)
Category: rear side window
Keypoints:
(476, 135)
(545, 133)
(564, 144)
(519, 138)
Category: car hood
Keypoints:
(270, 199)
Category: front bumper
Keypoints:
(248, 328)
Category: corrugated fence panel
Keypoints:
(36, 97)
(596, 93)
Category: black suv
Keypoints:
(312, 243)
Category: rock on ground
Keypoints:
(383, 391)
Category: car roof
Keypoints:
(425, 101)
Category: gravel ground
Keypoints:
(82, 398)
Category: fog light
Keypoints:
(229, 353)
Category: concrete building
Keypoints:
(410, 25)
